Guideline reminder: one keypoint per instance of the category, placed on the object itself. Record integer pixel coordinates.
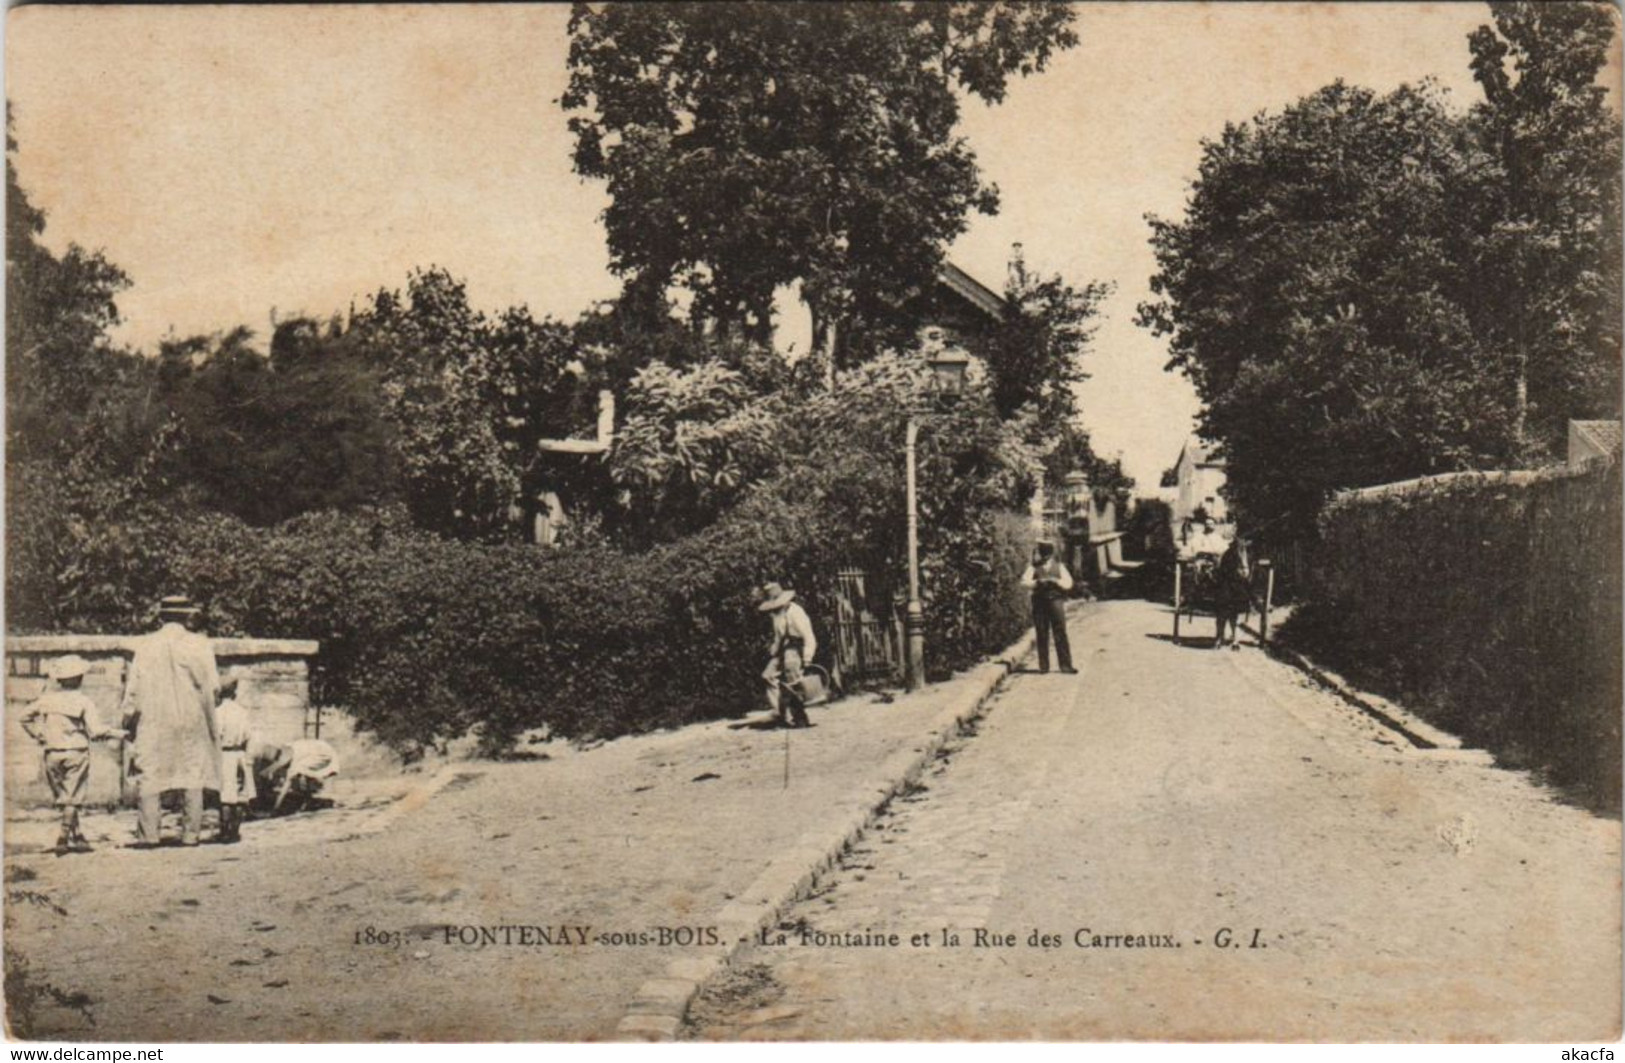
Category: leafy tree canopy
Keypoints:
(267, 437)
(752, 146)
(469, 397)
(1319, 294)
(1551, 282)
(1368, 288)
(1035, 354)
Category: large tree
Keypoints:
(469, 396)
(1552, 279)
(1367, 288)
(268, 437)
(1320, 293)
(1035, 352)
(752, 146)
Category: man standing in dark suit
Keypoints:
(1050, 582)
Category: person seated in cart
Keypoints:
(1203, 540)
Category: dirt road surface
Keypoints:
(1166, 794)
(334, 925)
(1198, 803)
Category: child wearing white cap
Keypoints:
(236, 768)
(64, 720)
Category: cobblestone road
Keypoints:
(1185, 805)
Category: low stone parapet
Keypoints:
(273, 684)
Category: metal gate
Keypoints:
(868, 627)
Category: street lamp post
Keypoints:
(914, 618)
(949, 367)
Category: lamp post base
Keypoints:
(914, 645)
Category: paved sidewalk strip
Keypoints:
(657, 1012)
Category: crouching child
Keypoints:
(64, 721)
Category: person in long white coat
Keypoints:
(169, 704)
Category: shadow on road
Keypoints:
(769, 724)
(1193, 642)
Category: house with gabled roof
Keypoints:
(1199, 477)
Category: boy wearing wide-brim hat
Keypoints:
(791, 646)
(64, 721)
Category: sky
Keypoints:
(237, 162)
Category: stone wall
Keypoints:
(273, 684)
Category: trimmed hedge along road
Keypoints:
(1488, 603)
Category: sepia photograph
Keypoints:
(975, 521)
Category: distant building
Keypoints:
(1087, 528)
(1591, 440)
(1199, 481)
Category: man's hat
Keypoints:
(176, 605)
(68, 667)
(775, 597)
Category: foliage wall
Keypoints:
(1492, 608)
(425, 637)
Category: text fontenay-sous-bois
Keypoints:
(515, 935)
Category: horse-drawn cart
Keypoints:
(1204, 585)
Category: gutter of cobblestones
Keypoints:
(659, 1008)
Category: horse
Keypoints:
(1232, 591)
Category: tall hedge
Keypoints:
(425, 638)
(1490, 604)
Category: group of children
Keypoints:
(64, 721)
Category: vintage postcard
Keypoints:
(813, 522)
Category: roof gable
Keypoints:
(971, 291)
(1199, 454)
(1605, 436)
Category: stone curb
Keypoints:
(1421, 734)
(658, 1009)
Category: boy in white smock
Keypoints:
(236, 769)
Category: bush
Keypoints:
(425, 638)
(971, 591)
(1491, 604)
